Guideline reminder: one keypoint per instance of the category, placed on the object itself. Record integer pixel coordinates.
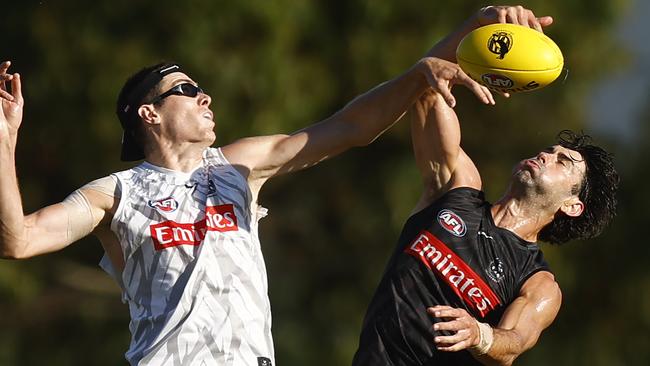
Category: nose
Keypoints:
(204, 99)
(543, 157)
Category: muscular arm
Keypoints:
(357, 124)
(435, 133)
(47, 229)
(524, 320)
(518, 331)
(54, 227)
(435, 129)
(370, 114)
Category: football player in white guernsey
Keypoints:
(180, 229)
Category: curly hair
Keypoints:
(597, 191)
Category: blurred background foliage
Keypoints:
(277, 66)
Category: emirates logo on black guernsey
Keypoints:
(453, 270)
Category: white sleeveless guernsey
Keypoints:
(194, 275)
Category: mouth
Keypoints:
(208, 115)
(532, 163)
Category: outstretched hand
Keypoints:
(11, 110)
(514, 15)
(443, 75)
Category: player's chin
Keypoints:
(211, 138)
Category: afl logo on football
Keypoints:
(500, 43)
(168, 204)
(452, 222)
(497, 81)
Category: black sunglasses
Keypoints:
(186, 89)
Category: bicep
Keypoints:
(266, 156)
(56, 226)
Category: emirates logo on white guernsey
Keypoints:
(169, 233)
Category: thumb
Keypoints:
(16, 88)
(446, 94)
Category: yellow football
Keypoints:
(510, 58)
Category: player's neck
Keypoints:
(522, 215)
(177, 158)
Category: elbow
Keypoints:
(10, 255)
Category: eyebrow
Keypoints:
(183, 81)
(563, 155)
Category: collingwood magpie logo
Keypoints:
(495, 270)
(500, 43)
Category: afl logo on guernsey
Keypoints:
(452, 222)
(168, 204)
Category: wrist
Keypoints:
(8, 141)
(486, 338)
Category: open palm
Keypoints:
(11, 111)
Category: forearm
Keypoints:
(524, 320)
(505, 347)
(12, 219)
(435, 131)
(370, 114)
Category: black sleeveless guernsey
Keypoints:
(450, 253)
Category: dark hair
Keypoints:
(131, 83)
(142, 86)
(597, 191)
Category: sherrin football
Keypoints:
(510, 58)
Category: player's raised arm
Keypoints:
(357, 124)
(50, 228)
(435, 133)
(11, 212)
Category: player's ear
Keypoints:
(573, 207)
(148, 114)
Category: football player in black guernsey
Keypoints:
(467, 283)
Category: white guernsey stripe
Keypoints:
(194, 275)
